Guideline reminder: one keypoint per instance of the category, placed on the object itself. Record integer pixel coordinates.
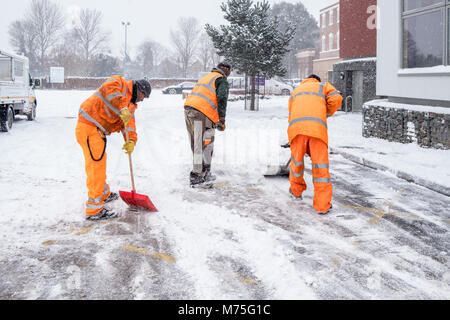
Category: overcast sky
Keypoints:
(150, 19)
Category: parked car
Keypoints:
(275, 87)
(178, 89)
(17, 95)
(294, 82)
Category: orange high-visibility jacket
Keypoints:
(204, 97)
(103, 108)
(311, 103)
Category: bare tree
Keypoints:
(145, 57)
(67, 54)
(184, 41)
(89, 33)
(47, 21)
(204, 51)
(22, 38)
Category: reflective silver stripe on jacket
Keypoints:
(297, 164)
(309, 94)
(125, 91)
(97, 200)
(212, 104)
(318, 94)
(92, 206)
(89, 118)
(113, 79)
(210, 88)
(106, 190)
(334, 94)
(297, 175)
(99, 95)
(308, 119)
(321, 166)
(321, 180)
(113, 95)
(322, 85)
(130, 129)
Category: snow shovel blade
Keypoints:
(137, 200)
(276, 171)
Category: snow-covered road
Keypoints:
(244, 239)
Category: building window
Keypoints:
(337, 14)
(331, 40)
(324, 16)
(425, 22)
(324, 43)
(331, 17)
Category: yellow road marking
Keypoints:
(337, 262)
(249, 280)
(145, 252)
(82, 231)
(379, 214)
(251, 190)
(218, 185)
(447, 221)
(48, 243)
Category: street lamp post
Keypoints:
(125, 60)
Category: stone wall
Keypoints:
(343, 77)
(427, 129)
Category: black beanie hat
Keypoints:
(144, 86)
(226, 67)
(314, 76)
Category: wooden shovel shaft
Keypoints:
(131, 163)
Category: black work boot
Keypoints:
(198, 181)
(293, 196)
(208, 176)
(103, 215)
(113, 196)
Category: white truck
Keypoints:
(17, 95)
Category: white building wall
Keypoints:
(392, 80)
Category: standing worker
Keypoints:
(312, 102)
(110, 109)
(205, 110)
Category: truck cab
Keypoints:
(17, 96)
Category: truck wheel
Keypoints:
(32, 115)
(6, 126)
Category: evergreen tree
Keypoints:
(306, 31)
(252, 42)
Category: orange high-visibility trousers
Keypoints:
(318, 150)
(93, 144)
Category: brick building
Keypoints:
(355, 75)
(329, 46)
(305, 62)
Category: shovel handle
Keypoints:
(131, 163)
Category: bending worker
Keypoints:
(205, 109)
(110, 109)
(312, 102)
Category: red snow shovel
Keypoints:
(132, 198)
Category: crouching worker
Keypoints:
(204, 110)
(110, 109)
(312, 102)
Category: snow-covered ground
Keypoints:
(244, 239)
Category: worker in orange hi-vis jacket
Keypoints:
(110, 109)
(311, 103)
